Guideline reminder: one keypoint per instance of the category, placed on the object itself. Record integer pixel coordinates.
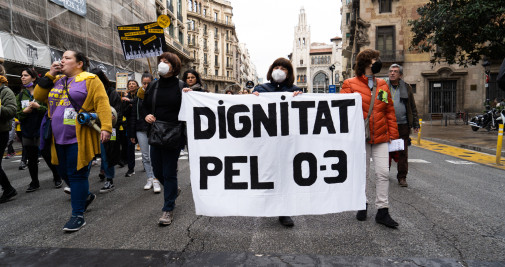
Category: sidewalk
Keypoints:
(460, 136)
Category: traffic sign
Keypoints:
(332, 89)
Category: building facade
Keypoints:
(316, 65)
(213, 43)
(246, 69)
(383, 25)
(177, 32)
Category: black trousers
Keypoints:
(32, 155)
(4, 181)
(46, 154)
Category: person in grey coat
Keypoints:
(406, 117)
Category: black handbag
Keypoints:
(165, 134)
(168, 135)
(47, 130)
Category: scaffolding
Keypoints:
(45, 27)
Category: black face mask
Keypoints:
(377, 66)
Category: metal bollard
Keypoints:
(499, 144)
(419, 133)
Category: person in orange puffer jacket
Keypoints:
(383, 128)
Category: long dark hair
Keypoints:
(194, 72)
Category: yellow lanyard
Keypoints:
(394, 91)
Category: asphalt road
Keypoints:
(453, 213)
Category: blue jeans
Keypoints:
(146, 158)
(79, 185)
(164, 162)
(109, 170)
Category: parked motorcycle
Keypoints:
(489, 120)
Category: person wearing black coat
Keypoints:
(162, 102)
(138, 126)
(281, 77)
(127, 147)
(110, 149)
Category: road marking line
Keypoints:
(461, 153)
(418, 161)
(460, 162)
(183, 157)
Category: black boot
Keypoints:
(286, 221)
(383, 217)
(8, 194)
(361, 215)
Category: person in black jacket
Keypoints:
(30, 113)
(281, 77)
(162, 102)
(110, 149)
(127, 147)
(138, 125)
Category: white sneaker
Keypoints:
(156, 186)
(66, 190)
(149, 184)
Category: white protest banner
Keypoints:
(275, 154)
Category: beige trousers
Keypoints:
(380, 156)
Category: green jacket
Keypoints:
(25, 95)
(7, 108)
(30, 122)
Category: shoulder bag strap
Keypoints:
(374, 92)
(153, 107)
(74, 104)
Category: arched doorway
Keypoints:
(320, 83)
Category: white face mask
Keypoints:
(278, 75)
(163, 68)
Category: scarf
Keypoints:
(3, 80)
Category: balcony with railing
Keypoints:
(176, 45)
(218, 78)
(392, 56)
(193, 30)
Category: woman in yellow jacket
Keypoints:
(74, 146)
